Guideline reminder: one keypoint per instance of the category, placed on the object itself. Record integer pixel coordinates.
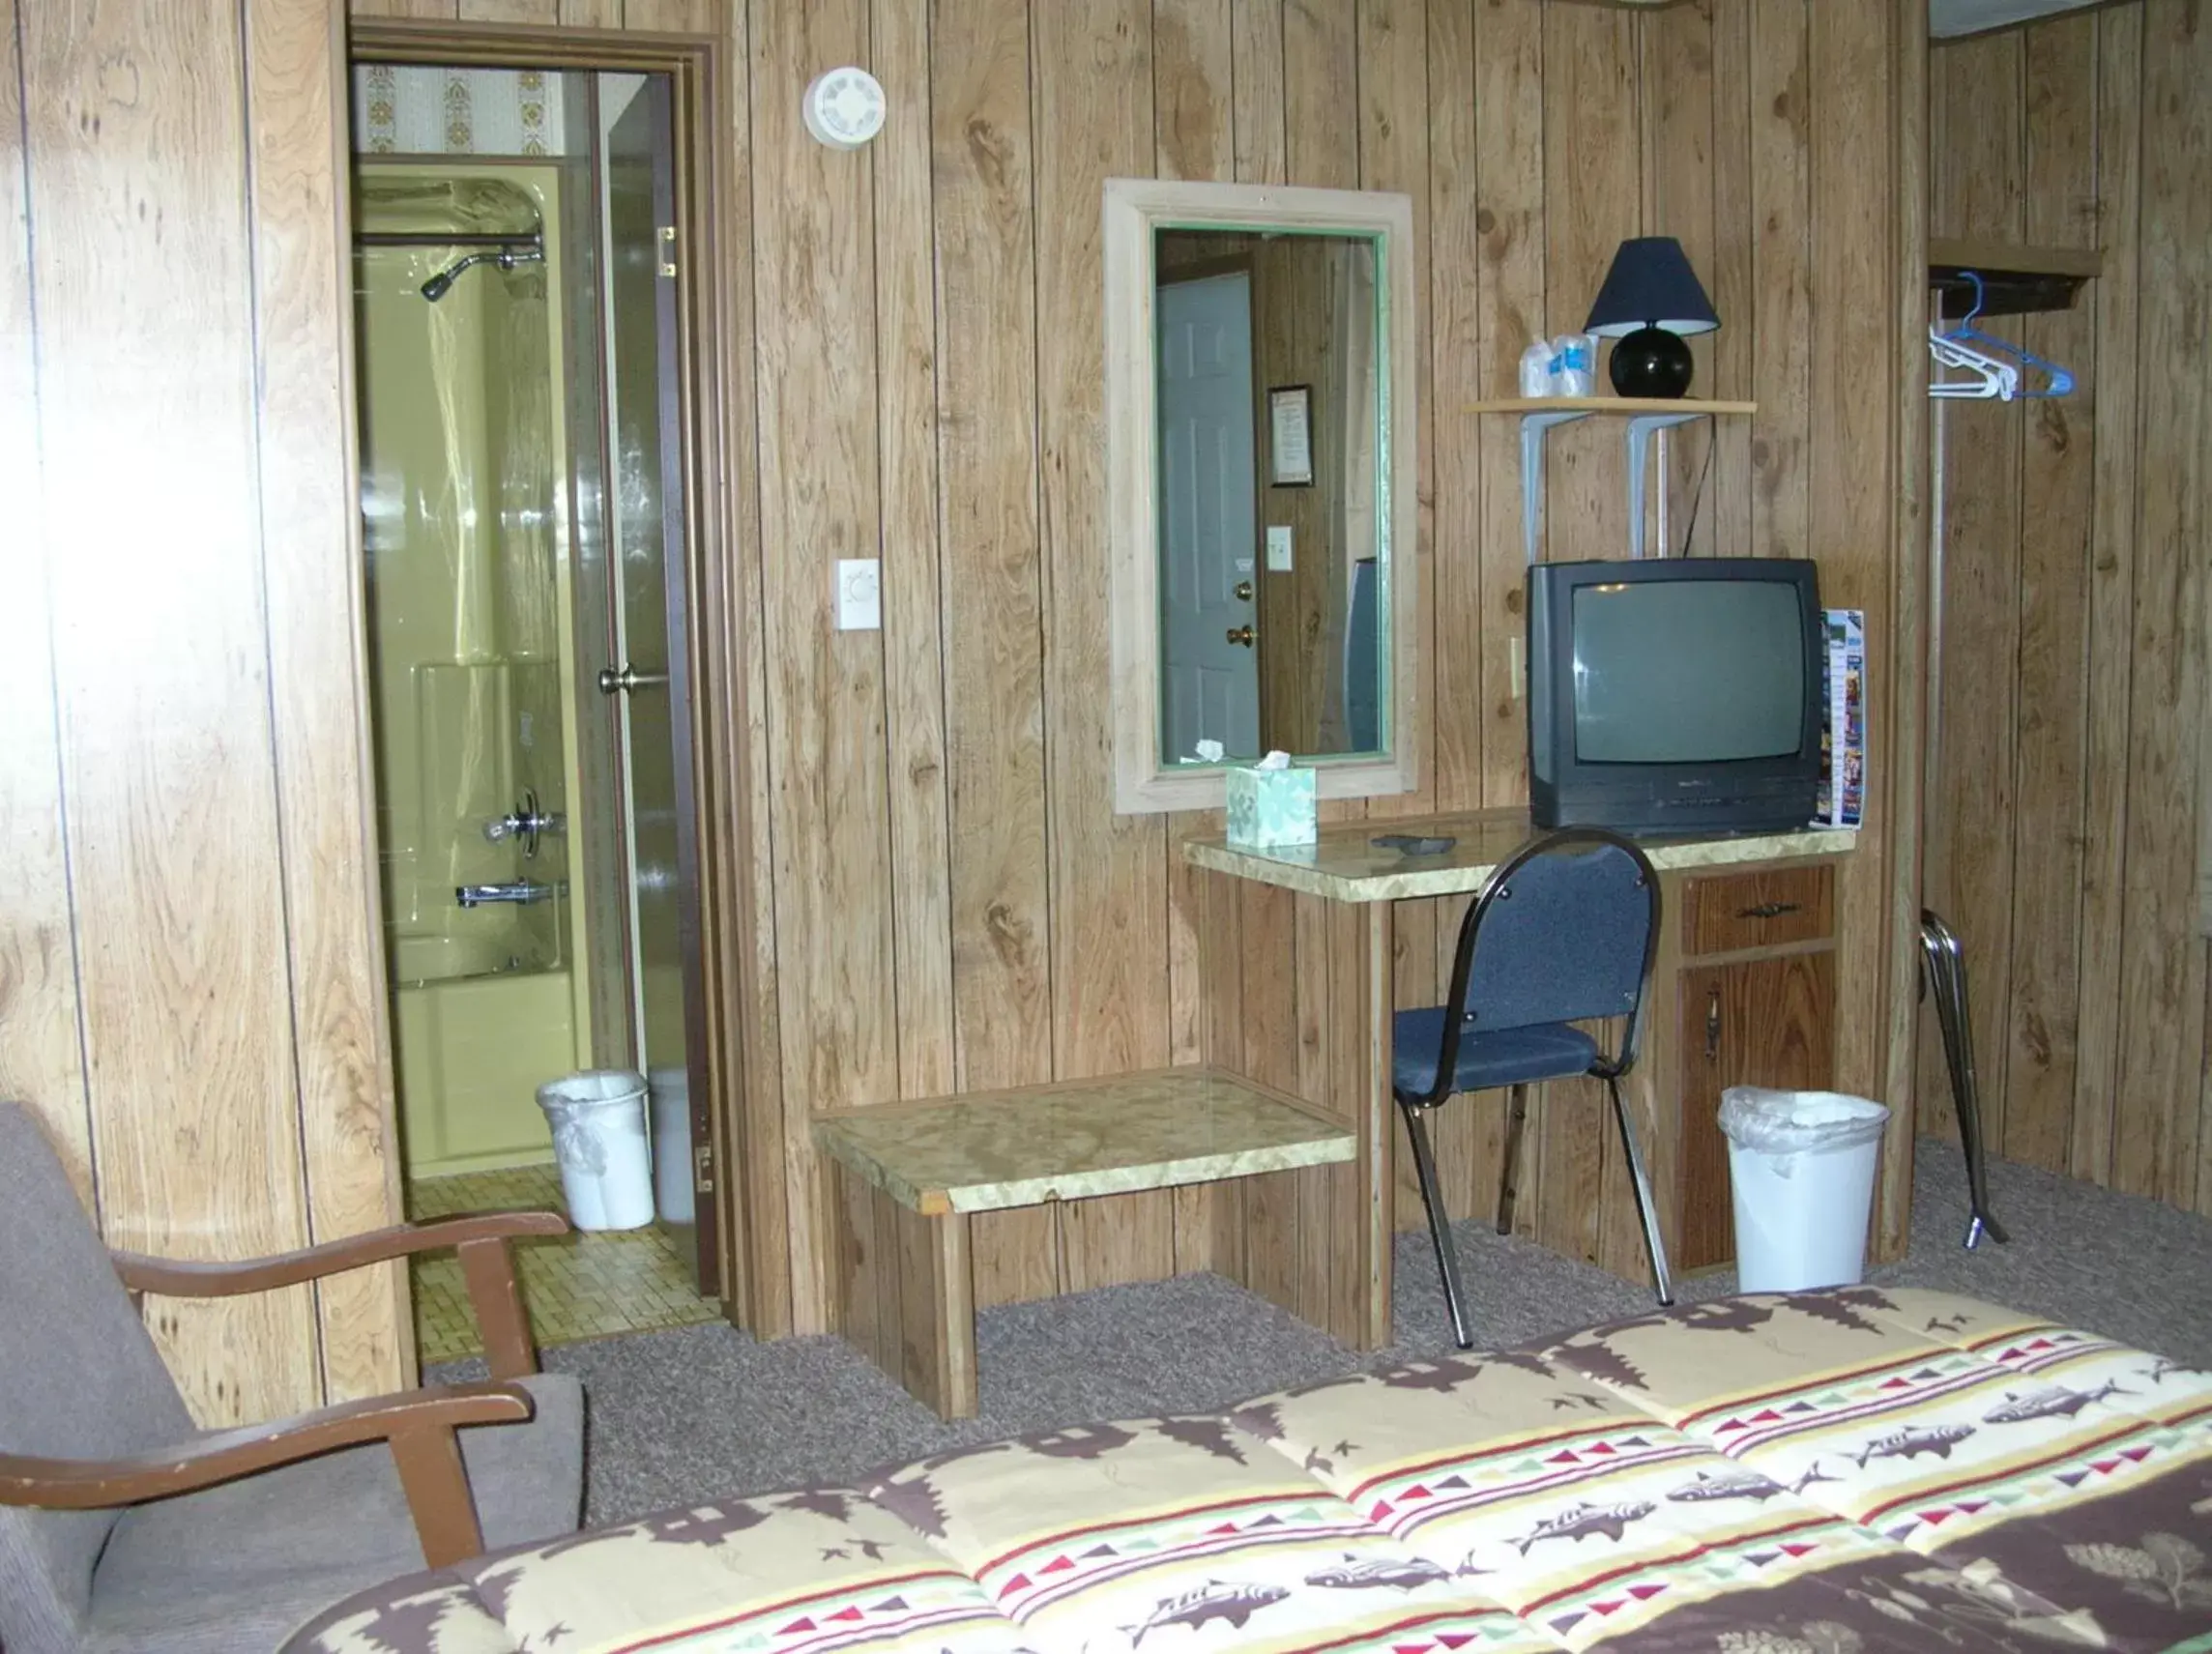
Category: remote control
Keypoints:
(1408, 844)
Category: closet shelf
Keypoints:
(2017, 280)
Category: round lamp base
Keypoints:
(1651, 362)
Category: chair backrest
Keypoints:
(1564, 932)
(79, 1379)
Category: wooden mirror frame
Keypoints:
(1136, 209)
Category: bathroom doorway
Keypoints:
(526, 367)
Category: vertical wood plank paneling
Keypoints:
(1781, 277)
(1321, 84)
(1199, 50)
(1593, 187)
(819, 469)
(2059, 87)
(40, 1060)
(1856, 263)
(172, 830)
(754, 1194)
(1109, 882)
(310, 565)
(692, 17)
(1257, 67)
(428, 10)
(2161, 976)
(1905, 680)
(535, 11)
(1192, 69)
(2112, 589)
(1391, 43)
(1679, 178)
(1979, 190)
(1736, 230)
(1456, 645)
(987, 461)
(1460, 651)
(1509, 277)
(913, 630)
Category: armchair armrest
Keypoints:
(481, 1240)
(419, 1425)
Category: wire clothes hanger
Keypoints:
(1994, 376)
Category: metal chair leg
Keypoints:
(1640, 1181)
(1946, 959)
(1509, 1177)
(1440, 1222)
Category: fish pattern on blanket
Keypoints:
(1180, 1538)
(1858, 1471)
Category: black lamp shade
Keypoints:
(1651, 284)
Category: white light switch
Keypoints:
(859, 594)
(1278, 548)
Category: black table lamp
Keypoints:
(1649, 302)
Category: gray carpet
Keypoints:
(706, 1411)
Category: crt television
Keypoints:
(1675, 696)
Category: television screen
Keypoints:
(1704, 670)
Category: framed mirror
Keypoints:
(1262, 470)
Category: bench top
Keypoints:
(994, 1149)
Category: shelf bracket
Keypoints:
(1533, 429)
(1640, 429)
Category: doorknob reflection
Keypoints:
(1241, 634)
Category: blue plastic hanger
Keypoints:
(2061, 382)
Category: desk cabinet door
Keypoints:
(1761, 1022)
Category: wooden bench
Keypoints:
(909, 1176)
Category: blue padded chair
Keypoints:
(1564, 932)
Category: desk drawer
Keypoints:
(1758, 910)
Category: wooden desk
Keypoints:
(907, 1176)
(1300, 958)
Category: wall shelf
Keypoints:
(1578, 407)
(2016, 280)
(1644, 413)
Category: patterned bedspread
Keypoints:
(1841, 1472)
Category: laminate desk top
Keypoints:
(1076, 1139)
(1346, 866)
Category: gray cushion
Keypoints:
(236, 1568)
(79, 1379)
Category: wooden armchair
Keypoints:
(122, 1526)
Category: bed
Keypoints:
(1841, 1472)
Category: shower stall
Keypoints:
(522, 517)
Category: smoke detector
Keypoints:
(845, 108)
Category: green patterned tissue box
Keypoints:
(1271, 808)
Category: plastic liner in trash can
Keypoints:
(1802, 1165)
(598, 1137)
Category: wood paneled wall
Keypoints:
(2066, 820)
(189, 971)
(955, 904)
(192, 970)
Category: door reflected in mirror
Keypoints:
(1270, 366)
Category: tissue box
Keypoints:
(1270, 808)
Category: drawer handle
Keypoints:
(1768, 910)
(1713, 1027)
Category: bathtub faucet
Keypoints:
(522, 893)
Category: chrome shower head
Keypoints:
(507, 259)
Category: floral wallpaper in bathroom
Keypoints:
(405, 110)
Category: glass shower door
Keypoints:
(650, 678)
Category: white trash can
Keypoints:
(671, 1178)
(598, 1137)
(1801, 1166)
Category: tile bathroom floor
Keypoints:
(575, 1286)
